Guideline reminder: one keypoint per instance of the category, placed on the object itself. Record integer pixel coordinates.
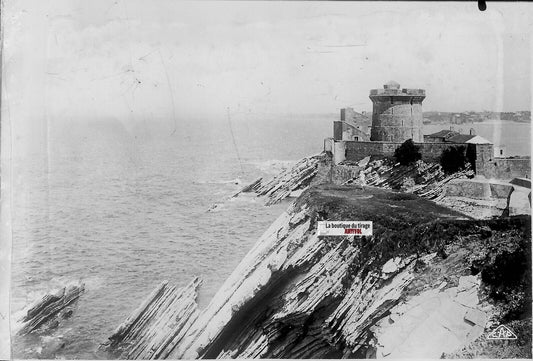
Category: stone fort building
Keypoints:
(397, 113)
(396, 117)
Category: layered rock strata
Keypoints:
(424, 179)
(48, 311)
(429, 282)
(159, 323)
(293, 179)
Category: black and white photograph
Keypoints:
(265, 179)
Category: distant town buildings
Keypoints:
(471, 117)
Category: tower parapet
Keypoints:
(397, 113)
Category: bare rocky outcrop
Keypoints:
(430, 282)
(293, 179)
(476, 198)
(426, 180)
(426, 283)
(47, 312)
(160, 322)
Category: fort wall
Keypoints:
(397, 121)
(397, 114)
(337, 130)
(485, 163)
(483, 154)
(478, 189)
(505, 168)
(355, 151)
(469, 188)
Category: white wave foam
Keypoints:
(236, 181)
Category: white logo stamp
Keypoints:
(501, 333)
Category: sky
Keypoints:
(132, 60)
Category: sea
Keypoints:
(122, 206)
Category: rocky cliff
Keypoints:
(160, 322)
(430, 282)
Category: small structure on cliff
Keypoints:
(352, 126)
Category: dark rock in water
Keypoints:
(67, 314)
(287, 183)
(296, 178)
(153, 330)
(250, 187)
(46, 311)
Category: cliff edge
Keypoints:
(430, 282)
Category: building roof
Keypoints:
(467, 138)
(478, 140)
(441, 133)
(460, 138)
(392, 85)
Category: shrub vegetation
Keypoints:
(453, 159)
(407, 153)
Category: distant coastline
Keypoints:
(466, 117)
(435, 117)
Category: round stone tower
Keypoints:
(397, 114)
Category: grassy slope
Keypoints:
(405, 224)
